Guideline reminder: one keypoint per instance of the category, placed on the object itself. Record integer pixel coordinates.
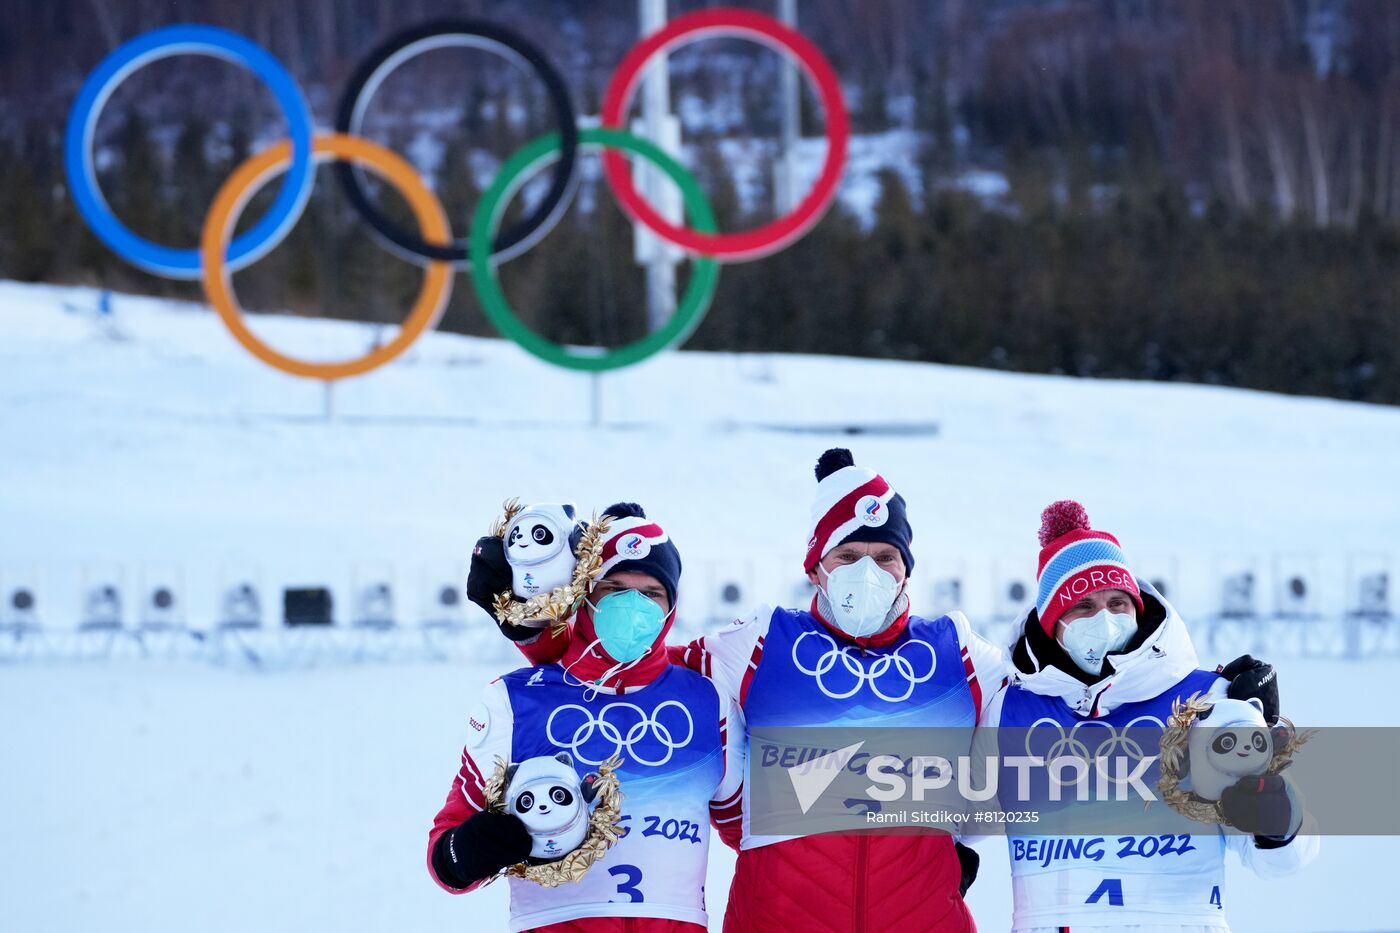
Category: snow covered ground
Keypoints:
(141, 797)
(163, 796)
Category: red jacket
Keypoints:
(862, 881)
(467, 794)
(892, 880)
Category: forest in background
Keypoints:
(1197, 190)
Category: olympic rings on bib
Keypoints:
(79, 165)
(386, 59)
(512, 175)
(861, 675)
(612, 739)
(245, 182)
(771, 237)
(1072, 744)
(1125, 743)
(434, 245)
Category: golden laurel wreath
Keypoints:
(559, 603)
(1175, 753)
(603, 825)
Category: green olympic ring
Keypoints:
(513, 174)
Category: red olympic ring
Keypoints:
(730, 22)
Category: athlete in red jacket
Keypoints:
(614, 693)
(774, 665)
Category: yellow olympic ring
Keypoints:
(233, 197)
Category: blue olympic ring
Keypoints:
(163, 43)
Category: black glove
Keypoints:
(1251, 679)
(1259, 805)
(968, 860)
(480, 847)
(489, 573)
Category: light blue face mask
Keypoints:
(627, 624)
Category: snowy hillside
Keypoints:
(172, 796)
(174, 449)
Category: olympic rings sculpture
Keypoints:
(860, 674)
(433, 245)
(647, 725)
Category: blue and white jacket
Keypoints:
(680, 742)
(1142, 882)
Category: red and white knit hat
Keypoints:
(854, 504)
(1076, 561)
(635, 542)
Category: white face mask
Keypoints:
(860, 595)
(1089, 640)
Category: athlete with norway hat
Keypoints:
(1103, 648)
(856, 656)
(614, 692)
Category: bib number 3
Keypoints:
(629, 876)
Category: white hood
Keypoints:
(1141, 674)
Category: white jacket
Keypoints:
(1140, 882)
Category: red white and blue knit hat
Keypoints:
(1076, 561)
(854, 504)
(635, 542)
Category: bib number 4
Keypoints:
(1110, 887)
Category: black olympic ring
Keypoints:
(398, 49)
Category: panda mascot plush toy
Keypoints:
(539, 544)
(1228, 742)
(1215, 750)
(553, 803)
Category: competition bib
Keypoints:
(667, 735)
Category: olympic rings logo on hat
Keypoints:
(879, 670)
(220, 253)
(1071, 745)
(610, 735)
(871, 511)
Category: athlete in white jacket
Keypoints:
(1105, 649)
